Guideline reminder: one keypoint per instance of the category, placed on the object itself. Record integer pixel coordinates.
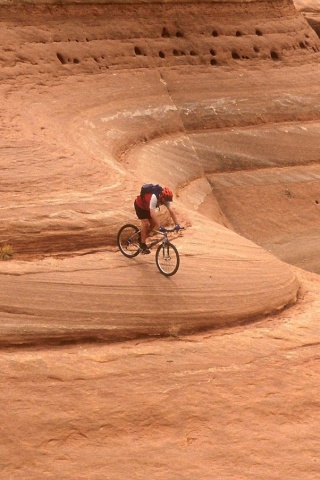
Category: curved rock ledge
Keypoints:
(79, 144)
(95, 99)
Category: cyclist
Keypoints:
(145, 206)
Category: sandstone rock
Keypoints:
(110, 369)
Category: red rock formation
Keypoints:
(220, 101)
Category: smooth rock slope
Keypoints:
(110, 370)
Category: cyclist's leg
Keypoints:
(144, 229)
(154, 224)
(143, 216)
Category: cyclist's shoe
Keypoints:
(144, 249)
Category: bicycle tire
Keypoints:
(128, 240)
(167, 259)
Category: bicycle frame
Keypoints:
(164, 240)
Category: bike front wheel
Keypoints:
(128, 240)
(167, 259)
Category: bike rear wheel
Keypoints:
(167, 259)
(128, 240)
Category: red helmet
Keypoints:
(167, 194)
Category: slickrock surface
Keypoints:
(310, 10)
(109, 369)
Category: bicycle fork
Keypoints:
(165, 250)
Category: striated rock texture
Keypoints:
(310, 10)
(99, 98)
(139, 63)
(240, 403)
(93, 38)
(219, 100)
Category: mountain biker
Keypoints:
(145, 206)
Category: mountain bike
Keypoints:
(167, 256)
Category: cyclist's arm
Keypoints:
(172, 214)
(153, 207)
(154, 220)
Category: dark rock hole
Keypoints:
(61, 58)
(274, 55)
(138, 51)
(165, 33)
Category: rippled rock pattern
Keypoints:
(110, 370)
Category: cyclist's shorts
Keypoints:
(142, 214)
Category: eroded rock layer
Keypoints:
(95, 38)
(96, 98)
(220, 100)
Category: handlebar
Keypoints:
(169, 230)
